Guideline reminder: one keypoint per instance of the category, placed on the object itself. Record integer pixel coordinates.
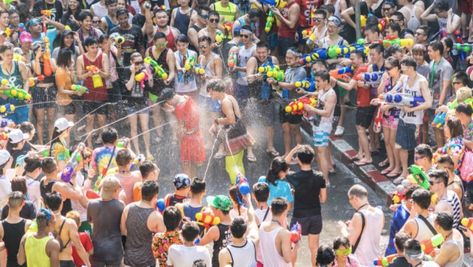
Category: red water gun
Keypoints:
(92, 68)
(296, 107)
(206, 219)
(385, 261)
(48, 69)
(341, 73)
(296, 233)
(429, 245)
(378, 120)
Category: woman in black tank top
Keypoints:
(12, 234)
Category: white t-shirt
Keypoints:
(34, 194)
(5, 190)
(182, 256)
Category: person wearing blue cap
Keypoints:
(182, 183)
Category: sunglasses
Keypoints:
(214, 20)
(204, 16)
(318, 19)
(96, 21)
(244, 36)
(203, 47)
(139, 63)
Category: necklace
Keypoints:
(362, 206)
(276, 222)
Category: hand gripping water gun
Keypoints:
(385, 261)
(463, 49)
(79, 88)
(8, 32)
(312, 57)
(276, 3)
(219, 37)
(403, 43)
(117, 38)
(47, 68)
(296, 233)
(419, 176)
(242, 184)
(47, 12)
(269, 22)
(304, 84)
(272, 71)
(33, 80)
(378, 120)
(227, 27)
(232, 60)
(429, 245)
(309, 36)
(141, 77)
(370, 77)
(296, 107)
(468, 223)
(92, 68)
(7, 109)
(189, 64)
(340, 73)
(403, 100)
(439, 120)
(199, 70)
(161, 205)
(158, 70)
(76, 157)
(16, 93)
(206, 219)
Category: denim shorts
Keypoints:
(406, 135)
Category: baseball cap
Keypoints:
(16, 136)
(62, 124)
(181, 180)
(26, 37)
(220, 202)
(4, 157)
(32, 22)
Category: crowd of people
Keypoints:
(75, 191)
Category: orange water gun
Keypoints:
(296, 107)
(48, 69)
(47, 12)
(206, 219)
(92, 68)
(33, 80)
(468, 223)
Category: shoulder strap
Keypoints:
(361, 233)
(429, 225)
(266, 214)
(63, 246)
(109, 162)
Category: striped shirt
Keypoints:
(450, 204)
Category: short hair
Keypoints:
(197, 186)
(83, 15)
(400, 239)
(53, 200)
(442, 6)
(412, 247)
(216, 85)
(329, 8)
(19, 184)
(439, 174)
(172, 218)
(109, 2)
(325, 255)
(422, 198)
(358, 191)
(444, 220)
(261, 192)
(121, 11)
(213, 13)
(411, 190)
(205, 38)
(394, 62)
(90, 41)
(410, 62)
(262, 44)
(321, 12)
(399, 15)
(455, 127)
(149, 189)
(48, 165)
(341, 241)
(123, 157)
(159, 35)
(27, 127)
(425, 28)
(437, 46)
(394, 27)
(74, 215)
(146, 168)
(465, 109)
(419, 49)
(377, 47)
(306, 153)
(43, 217)
(109, 135)
(448, 42)
(372, 27)
(324, 75)
(190, 231)
(238, 227)
(446, 159)
(254, 13)
(15, 199)
(278, 206)
(5, 47)
(461, 76)
(424, 150)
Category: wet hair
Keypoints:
(358, 191)
(48, 165)
(446, 159)
(166, 94)
(182, 38)
(84, 14)
(159, 35)
(122, 11)
(424, 150)
(123, 157)
(439, 174)
(197, 186)
(149, 189)
(261, 192)
(172, 218)
(109, 135)
(213, 13)
(278, 206)
(324, 75)
(321, 12)
(27, 127)
(216, 85)
(393, 26)
(444, 220)
(53, 200)
(237, 197)
(277, 165)
(378, 48)
(410, 62)
(205, 38)
(442, 6)
(412, 247)
(19, 184)
(465, 109)
(306, 153)
(64, 58)
(341, 241)
(15, 199)
(90, 41)
(399, 16)
(437, 46)
(62, 44)
(400, 239)
(455, 127)
(262, 44)
(32, 164)
(422, 198)
(146, 168)
(190, 231)
(109, 2)
(238, 227)
(325, 255)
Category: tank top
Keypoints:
(456, 240)
(158, 84)
(44, 189)
(139, 237)
(170, 39)
(12, 234)
(415, 117)
(47, 79)
(322, 96)
(413, 22)
(224, 239)
(243, 256)
(99, 94)
(110, 24)
(173, 199)
(244, 54)
(261, 89)
(423, 231)
(368, 247)
(269, 252)
(190, 211)
(185, 81)
(209, 72)
(35, 250)
(283, 30)
(227, 13)
(181, 21)
(13, 78)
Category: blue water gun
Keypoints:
(439, 120)
(403, 100)
(276, 3)
(75, 159)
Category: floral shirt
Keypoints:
(468, 132)
(161, 244)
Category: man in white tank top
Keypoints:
(418, 227)
(451, 252)
(277, 250)
(413, 84)
(364, 229)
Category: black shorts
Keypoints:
(44, 97)
(284, 44)
(88, 107)
(67, 109)
(285, 117)
(66, 264)
(406, 135)
(309, 225)
(364, 116)
(136, 104)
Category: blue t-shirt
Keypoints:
(281, 188)
(399, 219)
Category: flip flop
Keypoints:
(251, 158)
(363, 163)
(393, 175)
(273, 152)
(355, 158)
(383, 163)
(219, 155)
(386, 171)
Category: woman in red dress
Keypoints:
(192, 146)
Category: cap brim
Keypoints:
(210, 201)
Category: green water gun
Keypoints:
(269, 21)
(454, 104)
(158, 70)
(189, 64)
(79, 88)
(16, 93)
(419, 176)
(467, 48)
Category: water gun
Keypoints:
(296, 107)
(269, 22)
(79, 88)
(272, 71)
(454, 104)
(141, 77)
(296, 233)
(199, 70)
(420, 177)
(242, 184)
(33, 80)
(137, 161)
(189, 64)
(399, 42)
(76, 157)
(47, 12)
(370, 77)
(227, 28)
(276, 3)
(232, 60)
(158, 70)
(468, 223)
(336, 51)
(363, 21)
(385, 261)
(117, 38)
(382, 24)
(8, 32)
(340, 73)
(399, 195)
(309, 36)
(304, 84)
(7, 109)
(16, 93)
(161, 205)
(403, 100)
(92, 68)
(378, 120)
(206, 219)
(439, 120)
(219, 37)
(47, 67)
(3, 136)
(90, 194)
(429, 245)
(465, 48)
